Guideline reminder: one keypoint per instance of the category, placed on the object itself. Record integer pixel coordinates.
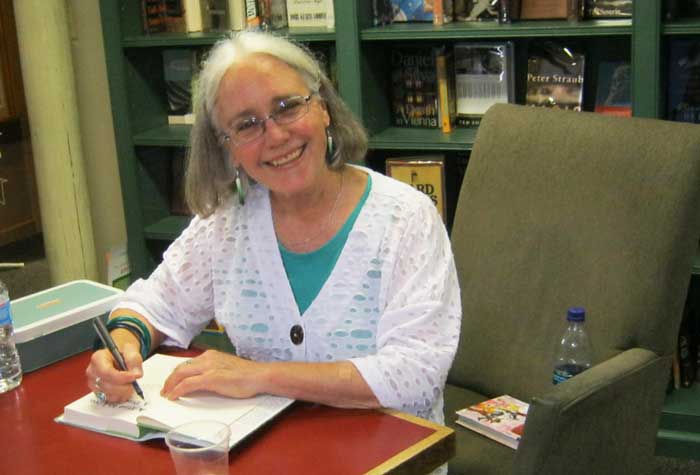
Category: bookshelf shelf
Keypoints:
(478, 30)
(209, 38)
(167, 229)
(679, 429)
(398, 138)
(164, 136)
(682, 27)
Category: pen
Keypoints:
(108, 342)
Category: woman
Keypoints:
(335, 284)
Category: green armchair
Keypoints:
(562, 209)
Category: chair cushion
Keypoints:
(476, 454)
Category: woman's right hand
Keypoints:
(103, 375)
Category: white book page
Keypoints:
(161, 413)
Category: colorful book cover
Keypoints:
(613, 93)
(555, 78)
(684, 81)
(418, 10)
(501, 419)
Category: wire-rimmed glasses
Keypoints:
(244, 130)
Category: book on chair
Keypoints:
(501, 419)
(152, 418)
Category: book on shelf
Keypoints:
(555, 77)
(180, 66)
(402, 11)
(305, 14)
(215, 15)
(425, 173)
(684, 80)
(613, 90)
(675, 9)
(153, 16)
(266, 14)
(444, 73)
(236, 16)
(551, 9)
(140, 420)
(483, 77)
(476, 10)
(382, 12)
(415, 89)
(501, 419)
(608, 9)
(183, 16)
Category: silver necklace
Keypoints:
(328, 219)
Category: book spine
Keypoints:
(193, 16)
(153, 15)
(438, 13)
(237, 15)
(443, 93)
(252, 14)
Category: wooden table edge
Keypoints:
(442, 439)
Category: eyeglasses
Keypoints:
(291, 109)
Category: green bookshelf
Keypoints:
(679, 429)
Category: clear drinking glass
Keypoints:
(199, 448)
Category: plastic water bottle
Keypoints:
(10, 367)
(574, 352)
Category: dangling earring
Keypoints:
(330, 147)
(241, 185)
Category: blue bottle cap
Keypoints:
(576, 314)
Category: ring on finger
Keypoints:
(97, 383)
(102, 397)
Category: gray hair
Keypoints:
(210, 178)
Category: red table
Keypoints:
(308, 438)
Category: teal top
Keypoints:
(307, 272)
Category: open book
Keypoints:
(501, 419)
(140, 420)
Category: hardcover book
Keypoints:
(236, 14)
(501, 419)
(179, 70)
(608, 9)
(551, 9)
(419, 10)
(555, 78)
(613, 93)
(483, 77)
(444, 70)
(151, 418)
(476, 10)
(425, 173)
(684, 80)
(153, 16)
(306, 14)
(415, 87)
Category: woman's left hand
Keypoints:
(214, 371)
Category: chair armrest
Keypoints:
(612, 410)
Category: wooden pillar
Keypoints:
(49, 83)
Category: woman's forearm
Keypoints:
(337, 384)
(121, 335)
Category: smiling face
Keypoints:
(289, 158)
